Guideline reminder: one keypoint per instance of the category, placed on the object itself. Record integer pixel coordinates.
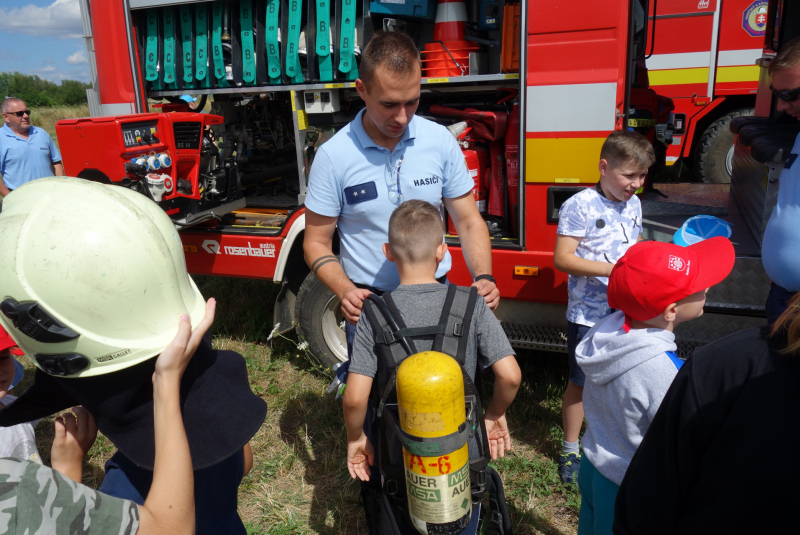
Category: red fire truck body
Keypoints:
(702, 55)
(577, 68)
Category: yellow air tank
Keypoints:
(430, 398)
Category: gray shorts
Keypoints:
(575, 333)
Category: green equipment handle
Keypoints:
(347, 40)
(151, 48)
(323, 41)
(216, 44)
(248, 49)
(186, 41)
(273, 52)
(169, 46)
(293, 69)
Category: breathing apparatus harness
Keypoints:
(451, 336)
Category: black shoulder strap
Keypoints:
(456, 318)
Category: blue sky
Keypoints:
(43, 37)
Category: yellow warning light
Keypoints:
(526, 271)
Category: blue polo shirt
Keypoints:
(356, 180)
(23, 160)
(780, 248)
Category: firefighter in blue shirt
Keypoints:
(26, 152)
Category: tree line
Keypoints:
(40, 93)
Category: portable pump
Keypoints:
(168, 157)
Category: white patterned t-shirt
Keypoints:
(606, 229)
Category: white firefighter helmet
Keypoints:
(92, 276)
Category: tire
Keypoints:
(321, 322)
(715, 152)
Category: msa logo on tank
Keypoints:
(428, 181)
(754, 20)
(266, 250)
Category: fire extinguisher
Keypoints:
(512, 163)
(430, 400)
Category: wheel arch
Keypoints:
(705, 119)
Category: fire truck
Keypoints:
(545, 82)
(702, 54)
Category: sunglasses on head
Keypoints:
(19, 113)
(787, 95)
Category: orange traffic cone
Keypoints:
(448, 54)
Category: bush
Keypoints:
(40, 93)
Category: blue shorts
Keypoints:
(575, 333)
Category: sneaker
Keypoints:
(568, 467)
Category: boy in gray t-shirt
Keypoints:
(416, 246)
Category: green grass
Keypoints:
(299, 483)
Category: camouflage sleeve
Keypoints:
(38, 499)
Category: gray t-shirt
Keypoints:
(420, 305)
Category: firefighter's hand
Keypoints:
(488, 290)
(360, 455)
(352, 303)
(498, 435)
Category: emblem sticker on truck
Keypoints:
(754, 20)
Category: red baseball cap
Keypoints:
(7, 342)
(652, 275)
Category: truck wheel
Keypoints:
(321, 322)
(715, 153)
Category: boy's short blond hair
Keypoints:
(623, 146)
(415, 231)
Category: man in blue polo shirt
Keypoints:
(384, 156)
(26, 152)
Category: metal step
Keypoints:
(554, 339)
(534, 337)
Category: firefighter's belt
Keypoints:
(186, 45)
(151, 48)
(248, 49)
(347, 41)
(293, 69)
(640, 123)
(169, 48)
(430, 447)
(273, 52)
(216, 45)
(323, 41)
(201, 44)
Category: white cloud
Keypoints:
(49, 68)
(77, 58)
(61, 19)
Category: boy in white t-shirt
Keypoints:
(16, 441)
(595, 228)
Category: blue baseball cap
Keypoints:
(699, 228)
(188, 98)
